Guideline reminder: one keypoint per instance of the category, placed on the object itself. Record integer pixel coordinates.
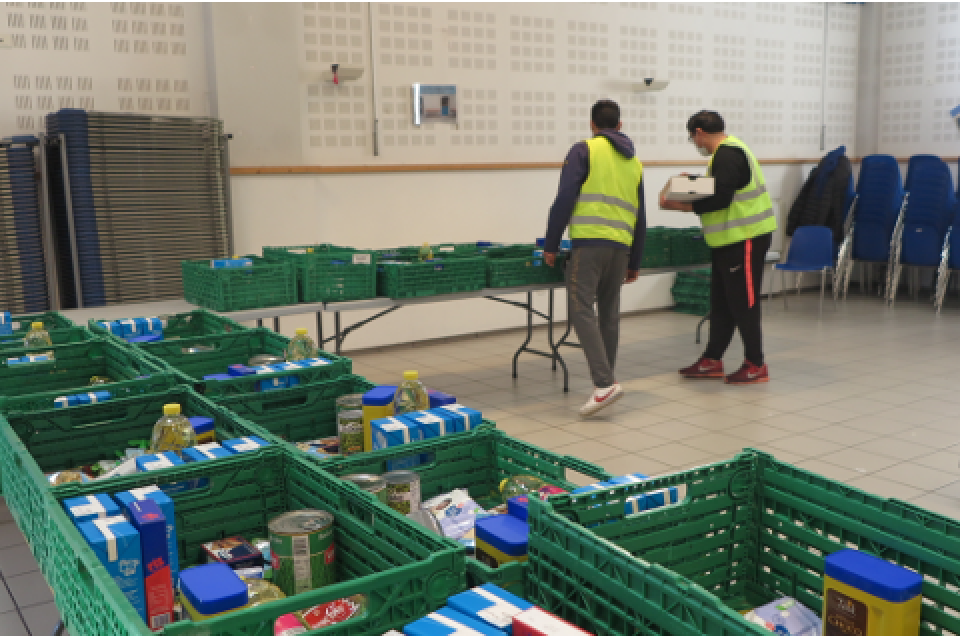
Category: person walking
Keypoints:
(600, 198)
(738, 224)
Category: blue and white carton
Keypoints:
(6, 324)
(394, 431)
(94, 397)
(158, 461)
(86, 508)
(126, 498)
(490, 604)
(117, 545)
(244, 445)
(471, 417)
(645, 501)
(450, 622)
(432, 424)
(204, 452)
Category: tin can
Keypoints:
(403, 491)
(354, 401)
(370, 483)
(350, 430)
(302, 551)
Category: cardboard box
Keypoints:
(688, 188)
(147, 518)
(117, 545)
(537, 622)
(448, 622)
(244, 445)
(157, 461)
(204, 452)
(87, 508)
(472, 418)
(490, 604)
(393, 431)
(162, 500)
(431, 423)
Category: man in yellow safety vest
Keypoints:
(738, 224)
(601, 199)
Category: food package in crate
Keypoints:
(490, 604)
(450, 622)
(537, 622)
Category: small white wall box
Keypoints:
(689, 188)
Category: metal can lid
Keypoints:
(350, 414)
(366, 481)
(262, 359)
(426, 519)
(300, 522)
(401, 477)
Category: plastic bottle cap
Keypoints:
(309, 249)
(301, 332)
(236, 257)
(171, 409)
(36, 325)
(411, 375)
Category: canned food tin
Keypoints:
(263, 359)
(302, 550)
(403, 491)
(350, 430)
(370, 483)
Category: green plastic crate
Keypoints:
(73, 366)
(191, 324)
(440, 251)
(57, 439)
(749, 530)
(512, 272)
(118, 390)
(235, 348)
(404, 572)
(417, 279)
(50, 320)
(687, 247)
(509, 250)
(266, 284)
(304, 412)
(330, 275)
(656, 249)
(67, 335)
(477, 460)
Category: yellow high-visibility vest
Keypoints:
(749, 215)
(608, 204)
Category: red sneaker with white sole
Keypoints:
(703, 368)
(749, 373)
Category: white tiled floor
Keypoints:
(868, 396)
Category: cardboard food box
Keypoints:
(688, 188)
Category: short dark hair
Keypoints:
(605, 114)
(709, 121)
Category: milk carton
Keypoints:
(117, 545)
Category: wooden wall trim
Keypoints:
(486, 166)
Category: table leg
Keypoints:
(700, 326)
(336, 327)
(320, 329)
(276, 324)
(523, 347)
(259, 323)
(555, 349)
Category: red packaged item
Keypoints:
(325, 615)
(537, 622)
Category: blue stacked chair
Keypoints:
(949, 260)
(919, 240)
(879, 202)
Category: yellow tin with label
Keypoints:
(867, 596)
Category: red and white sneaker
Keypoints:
(601, 398)
(749, 373)
(704, 368)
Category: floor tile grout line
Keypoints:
(16, 605)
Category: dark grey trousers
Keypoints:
(594, 276)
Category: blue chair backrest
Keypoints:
(880, 194)
(811, 248)
(930, 210)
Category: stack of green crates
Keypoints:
(330, 273)
(688, 247)
(691, 292)
(656, 249)
(268, 283)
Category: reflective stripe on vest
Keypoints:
(750, 213)
(607, 206)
